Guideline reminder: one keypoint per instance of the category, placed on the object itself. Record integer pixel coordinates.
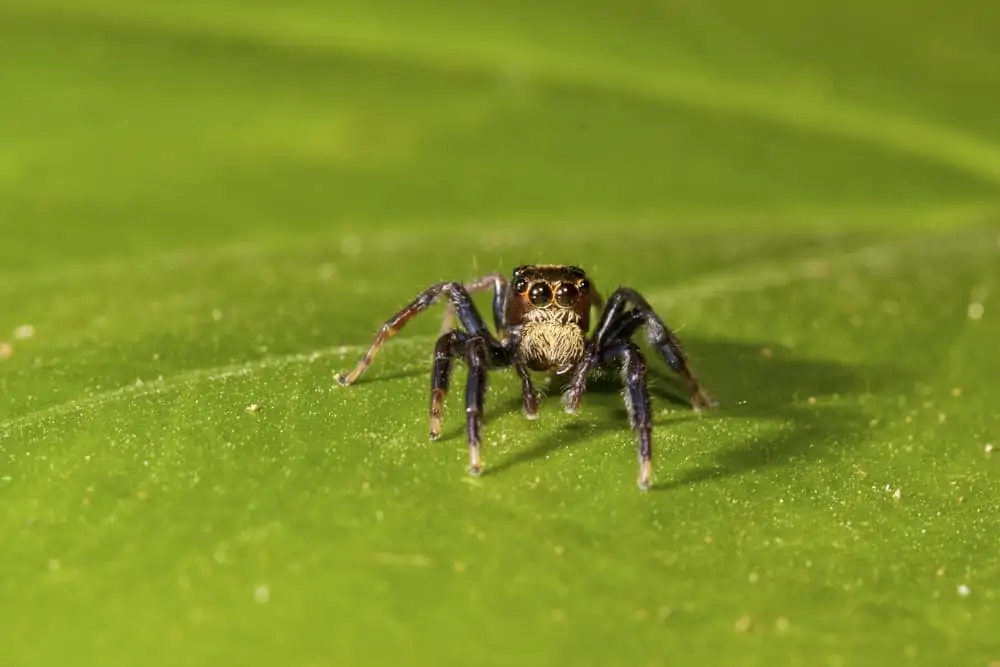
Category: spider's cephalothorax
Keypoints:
(551, 304)
(542, 320)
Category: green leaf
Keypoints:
(208, 209)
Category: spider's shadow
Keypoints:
(749, 384)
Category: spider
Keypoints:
(542, 318)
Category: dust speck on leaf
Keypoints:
(964, 590)
(253, 407)
(743, 624)
(976, 311)
(988, 448)
(24, 332)
(6, 350)
(262, 594)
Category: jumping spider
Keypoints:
(542, 317)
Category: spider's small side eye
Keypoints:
(584, 286)
(540, 294)
(521, 285)
(566, 294)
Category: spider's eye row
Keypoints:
(540, 294)
(566, 294)
(584, 286)
(521, 285)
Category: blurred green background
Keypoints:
(207, 206)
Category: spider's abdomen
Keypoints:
(551, 341)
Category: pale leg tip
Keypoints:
(475, 462)
(570, 405)
(342, 379)
(702, 402)
(645, 480)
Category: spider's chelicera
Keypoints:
(542, 320)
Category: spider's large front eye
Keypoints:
(521, 285)
(566, 294)
(540, 294)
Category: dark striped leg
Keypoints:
(640, 414)
(499, 284)
(528, 392)
(457, 297)
(633, 373)
(475, 399)
(618, 324)
(475, 352)
(448, 346)
(578, 382)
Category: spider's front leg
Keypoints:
(633, 374)
(618, 324)
(476, 354)
(640, 415)
(528, 393)
(459, 300)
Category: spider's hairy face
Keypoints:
(552, 305)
